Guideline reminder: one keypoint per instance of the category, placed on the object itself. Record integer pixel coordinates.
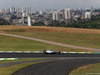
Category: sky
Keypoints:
(47, 4)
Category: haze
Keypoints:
(53, 4)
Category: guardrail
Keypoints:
(42, 52)
(83, 52)
(21, 52)
(79, 52)
(8, 58)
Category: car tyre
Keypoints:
(44, 51)
(59, 52)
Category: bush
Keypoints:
(40, 23)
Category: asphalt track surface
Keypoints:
(32, 55)
(62, 64)
(50, 42)
(58, 67)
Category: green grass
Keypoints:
(78, 39)
(17, 44)
(11, 69)
(94, 68)
(20, 59)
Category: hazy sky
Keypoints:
(53, 4)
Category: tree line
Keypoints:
(93, 23)
(4, 22)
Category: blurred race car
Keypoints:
(51, 52)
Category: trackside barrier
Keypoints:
(21, 52)
(95, 52)
(80, 52)
(8, 58)
(42, 52)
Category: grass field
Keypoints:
(20, 59)
(84, 40)
(93, 69)
(50, 29)
(73, 36)
(17, 44)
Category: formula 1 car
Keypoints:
(51, 52)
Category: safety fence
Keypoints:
(42, 52)
(8, 58)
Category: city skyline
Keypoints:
(49, 4)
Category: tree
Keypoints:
(4, 22)
(13, 17)
(40, 23)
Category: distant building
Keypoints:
(3, 10)
(12, 10)
(92, 8)
(61, 16)
(95, 13)
(7, 18)
(41, 12)
(29, 21)
(55, 15)
(18, 10)
(23, 17)
(8, 10)
(26, 19)
(48, 11)
(87, 15)
(27, 10)
(68, 14)
(46, 22)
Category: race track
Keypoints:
(60, 67)
(32, 55)
(60, 64)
